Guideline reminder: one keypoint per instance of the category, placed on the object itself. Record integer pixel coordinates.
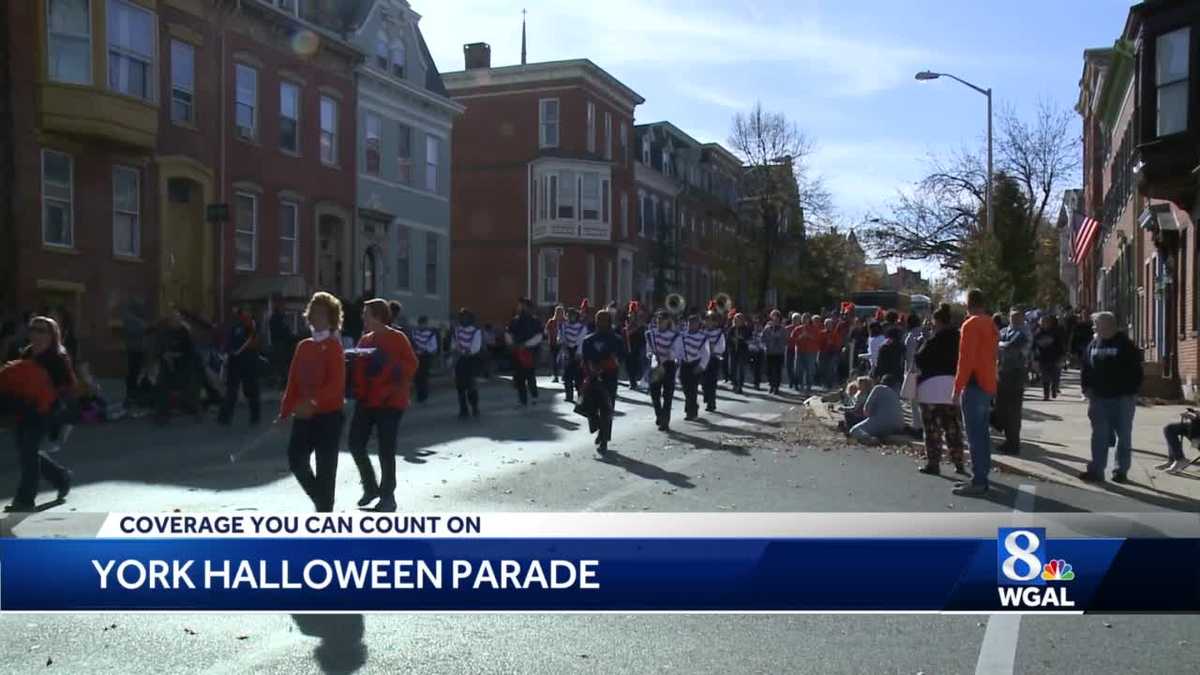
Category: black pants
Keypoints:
(689, 377)
(737, 370)
(318, 435)
(421, 380)
(554, 360)
(605, 393)
(662, 391)
(242, 374)
(386, 423)
(1010, 395)
(711, 375)
(34, 464)
(633, 367)
(178, 378)
(133, 371)
(464, 382)
(1051, 378)
(572, 376)
(726, 370)
(775, 371)
(525, 379)
(755, 362)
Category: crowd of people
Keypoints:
(960, 378)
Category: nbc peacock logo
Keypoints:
(1058, 570)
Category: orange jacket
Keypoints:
(383, 379)
(29, 382)
(978, 349)
(317, 375)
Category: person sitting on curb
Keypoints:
(1188, 427)
(1111, 378)
(853, 413)
(884, 413)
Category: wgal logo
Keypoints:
(1023, 569)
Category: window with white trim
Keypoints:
(399, 59)
(404, 154)
(183, 82)
(246, 108)
(646, 148)
(289, 237)
(608, 136)
(58, 205)
(373, 132)
(403, 259)
(624, 215)
(604, 203)
(625, 143)
(431, 263)
(566, 196)
(289, 117)
(667, 169)
(548, 260)
(653, 217)
(329, 134)
(548, 123)
(643, 205)
(1172, 80)
(383, 52)
(69, 41)
(589, 196)
(433, 161)
(127, 211)
(245, 231)
(591, 127)
(131, 49)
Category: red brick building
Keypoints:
(542, 185)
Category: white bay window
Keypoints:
(69, 41)
(1172, 80)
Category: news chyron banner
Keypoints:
(617, 562)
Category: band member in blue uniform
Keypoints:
(467, 344)
(425, 342)
(600, 355)
(524, 336)
(635, 344)
(666, 352)
(570, 336)
(716, 350)
(695, 362)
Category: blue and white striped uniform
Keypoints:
(665, 346)
(468, 340)
(570, 335)
(695, 348)
(716, 341)
(425, 341)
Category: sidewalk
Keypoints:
(1056, 446)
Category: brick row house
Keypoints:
(542, 182)
(1139, 101)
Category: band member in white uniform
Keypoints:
(570, 336)
(716, 350)
(666, 351)
(425, 343)
(468, 341)
(695, 363)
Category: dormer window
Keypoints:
(399, 59)
(646, 149)
(1172, 75)
(383, 53)
(666, 161)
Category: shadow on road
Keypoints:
(646, 470)
(341, 649)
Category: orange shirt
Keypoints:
(383, 379)
(317, 375)
(978, 350)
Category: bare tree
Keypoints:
(779, 191)
(944, 211)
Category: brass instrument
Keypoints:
(676, 305)
(724, 303)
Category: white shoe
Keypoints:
(1165, 466)
(1179, 466)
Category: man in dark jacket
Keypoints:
(1111, 378)
(892, 357)
(1010, 394)
(524, 336)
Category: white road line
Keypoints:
(998, 653)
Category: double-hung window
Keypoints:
(399, 59)
(566, 195)
(589, 196)
(403, 259)
(624, 143)
(433, 160)
(289, 237)
(591, 127)
(130, 49)
(431, 263)
(58, 207)
(383, 53)
(245, 232)
(183, 82)
(548, 122)
(374, 129)
(289, 117)
(548, 264)
(69, 41)
(608, 150)
(246, 109)
(127, 212)
(1172, 79)
(404, 154)
(329, 122)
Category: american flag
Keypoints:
(1085, 236)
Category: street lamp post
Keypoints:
(928, 75)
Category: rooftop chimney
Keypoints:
(478, 54)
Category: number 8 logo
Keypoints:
(1024, 554)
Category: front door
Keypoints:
(331, 272)
(184, 247)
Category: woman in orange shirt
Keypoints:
(316, 390)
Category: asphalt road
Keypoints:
(541, 459)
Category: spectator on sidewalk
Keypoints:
(241, 366)
(975, 388)
(884, 416)
(1049, 350)
(1081, 337)
(1010, 394)
(854, 411)
(875, 340)
(1111, 378)
(1188, 427)
(133, 331)
(774, 337)
(891, 357)
(913, 340)
(936, 362)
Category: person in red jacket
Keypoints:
(30, 388)
(381, 386)
(315, 393)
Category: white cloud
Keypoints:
(712, 95)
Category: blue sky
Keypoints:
(842, 70)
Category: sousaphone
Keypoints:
(676, 304)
